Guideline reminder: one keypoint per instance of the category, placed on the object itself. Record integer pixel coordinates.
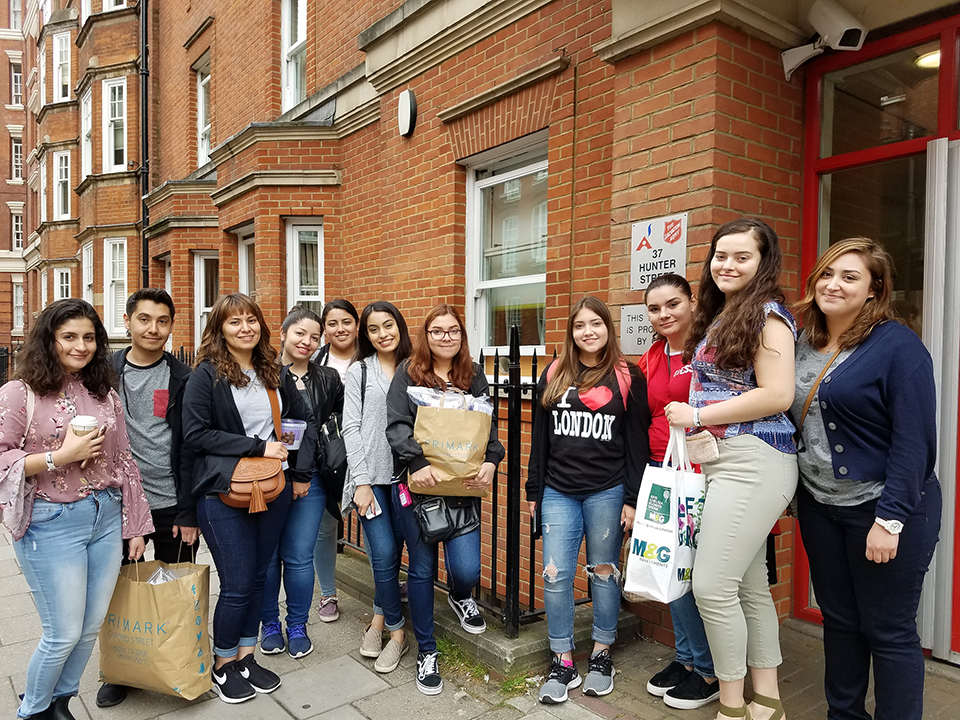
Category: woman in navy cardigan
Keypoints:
(869, 499)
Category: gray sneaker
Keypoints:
(390, 656)
(561, 679)
(599, 680)
(372, 642)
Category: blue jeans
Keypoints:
(384, 544)
(242, 545)
(870, 609)
(295, 551)
(567, 519)
(462, 559)
(70, 557)
(325, 546)
(690, 637)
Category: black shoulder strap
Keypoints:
(363, 382)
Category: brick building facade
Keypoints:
(281, 159)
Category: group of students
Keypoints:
(847, 411)
(841, 415)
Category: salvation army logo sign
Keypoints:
(658, 246)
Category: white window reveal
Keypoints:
(16, 158)
(43, 289)
(61, 191)
(61, 67)
(115, 125)
(16, 84)
(206, 288)
(247, 255)
(114, 284)
(43, 189)
(86, 269)
(86, 7)
(507, 250)
(86, 134)
(305, 265)
(203, 114)
(18, 306)
(294, 39)
(16, 222)
(61, 284)
(42, 72)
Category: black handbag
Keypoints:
(334, 454)
(442, 518)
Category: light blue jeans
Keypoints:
(567, 519)
(325, 547)
(70, 557)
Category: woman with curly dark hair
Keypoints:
(227, 415)
(741, 349)
(441, 360)
(69, 498)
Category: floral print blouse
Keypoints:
(114, 467)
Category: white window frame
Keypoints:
(16, 158)
(109, 121)
(114, 288)
(86, 134)
(86, 271)
(294, 53)
(16, 84)
(61, 67)
(16, 230)
(18, 306)
(42, 71)
(168, 286)
(201, 311)
(62, 288)
(61, 185)
(203, 128)
(245, 241)
(16, 14)
(86, 9)
(114, 5)
(43, 189)
(43, 289)
(294, 295)
(477, 289)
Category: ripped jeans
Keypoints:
(567, 519)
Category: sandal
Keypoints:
(768, 702)
(741, 712)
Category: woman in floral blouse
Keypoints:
(67, 499)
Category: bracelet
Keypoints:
(696, 417)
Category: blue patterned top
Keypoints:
(711, 385)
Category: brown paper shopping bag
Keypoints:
(155, 636)
(454, 441)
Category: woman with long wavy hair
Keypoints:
(227, 415)
(741, 348)
(441, 360)
(588, 451)
(85, 493)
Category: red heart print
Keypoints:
(596, 397)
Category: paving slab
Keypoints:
(309, 692)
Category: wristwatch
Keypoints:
(891, 526)
(49, 458)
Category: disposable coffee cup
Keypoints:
(83, 424)
(291, 433)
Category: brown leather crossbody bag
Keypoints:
(257, 481)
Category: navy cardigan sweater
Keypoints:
(880, 415)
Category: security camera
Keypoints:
(836, 28)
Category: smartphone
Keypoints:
(373, 510)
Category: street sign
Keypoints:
(636, 332)
(657, 246)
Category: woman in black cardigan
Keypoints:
(227, 415)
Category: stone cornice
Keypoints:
(105, 72)
(103, 18)
(172, 222)
(422, 34)
(178, 187)
(57, 106)
(736, 13)
(11, 261)
(117, 230)
(107, 180)
(356, 118)
(274, 178)
(521, 81)
(60, 21)
(270, 132)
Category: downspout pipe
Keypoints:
(144, 146)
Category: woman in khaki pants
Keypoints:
(741, 348)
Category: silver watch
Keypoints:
(891, 526)
(49, 458)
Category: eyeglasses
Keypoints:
(438, 334)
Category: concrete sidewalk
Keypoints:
(335, 683)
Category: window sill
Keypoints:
(15, 108)
(14, 182)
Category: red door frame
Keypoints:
(948, 32)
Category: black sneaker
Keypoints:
(692, 693)
(429, 681)
(468, 614)
(260, 679)
(671, 676)
(109, 695)
(230, 686)
(562, 678)
(599, 680)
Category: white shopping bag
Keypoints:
(665, 529)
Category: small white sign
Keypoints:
(657, 246)
(636, 332)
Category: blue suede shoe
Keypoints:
(298, 642)
(271, 639)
